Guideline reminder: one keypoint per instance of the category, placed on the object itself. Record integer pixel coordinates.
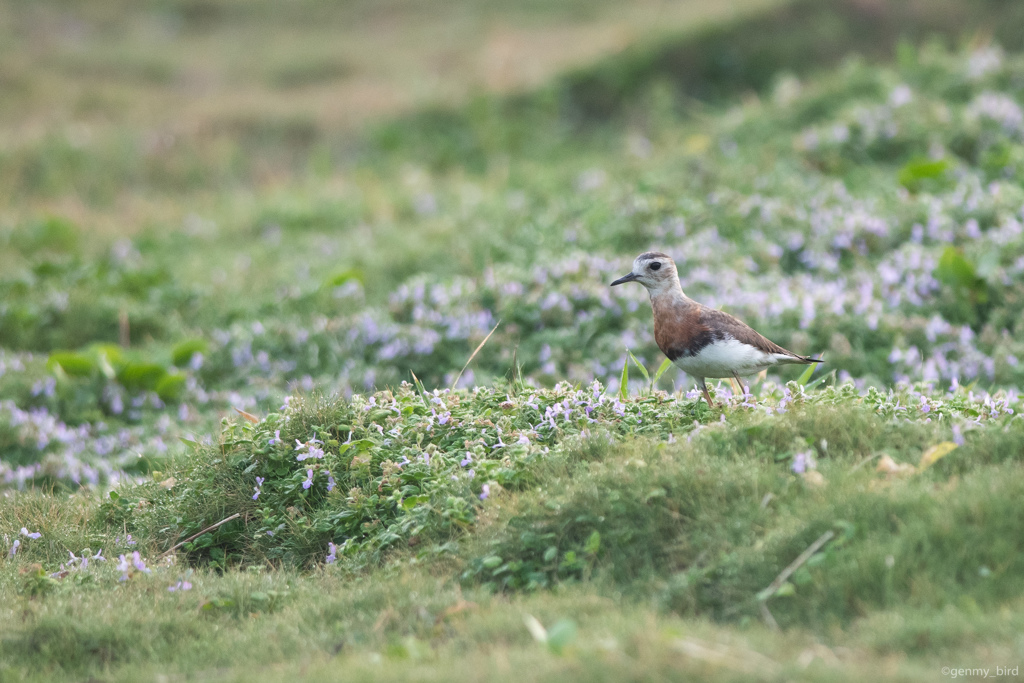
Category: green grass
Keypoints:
(169, 254)
(672, 543)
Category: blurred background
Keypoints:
(212, 203)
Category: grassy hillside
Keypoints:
(560, 507)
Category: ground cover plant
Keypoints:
(385, 417)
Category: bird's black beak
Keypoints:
(625, 278)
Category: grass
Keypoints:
(190, 233)
(923, 566)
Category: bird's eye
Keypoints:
(655, 265)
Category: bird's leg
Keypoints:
(743, 389)
(707, 396)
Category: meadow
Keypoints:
(309, 365)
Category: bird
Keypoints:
(701, 341)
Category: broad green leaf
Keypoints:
(181, 354)
(169, 388)
(412, 501)
(917, 171)
(75, 364)
(344, 276)
(593, 543)
(956, 270)
(137, 376)
(624, 380)
(561, 635)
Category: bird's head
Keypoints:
(654, 270)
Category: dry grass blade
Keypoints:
(473, 355)
(786, 573)
(200, 533)
(248, 416)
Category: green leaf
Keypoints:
(821, 379)
(624, 380)
(785, 589)
(341, 277)
(181, 354)
(918, 171)
(75, 364)
(169, 388)
(551, 553)
(593, 543)
(956, 270)
(561, 635)
(643, 370)
(492, 562)
(806, 376)
(412, 501)
(662, 369)
(137, 376)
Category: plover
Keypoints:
(701, 341)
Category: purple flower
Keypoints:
(127, 540)
(122, 566)
(467, 460)
(99, 556)
(802, 462)
(332, 555)
(14, 548)
(486, 492)
(405, 461)
(958, 436)
(35, 534)
(471, 474)
(180, 586)
(259, 483)
(330, 482)
(138, 562)
(309, 479)
(313, 452)
(276, 439)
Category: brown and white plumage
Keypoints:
(701, 341)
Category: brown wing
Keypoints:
(683, 328)
(727, 325)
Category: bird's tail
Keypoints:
(797, 360)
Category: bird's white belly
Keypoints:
(725, 359)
